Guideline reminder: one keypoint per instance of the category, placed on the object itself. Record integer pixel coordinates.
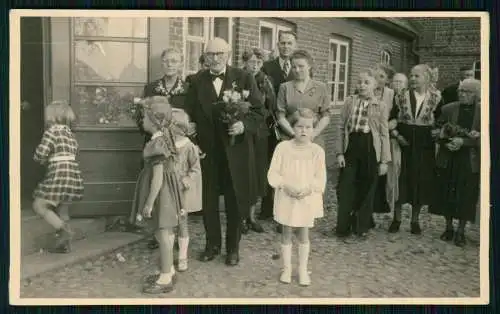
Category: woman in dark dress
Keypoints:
(458, 161)
(416, 124)
(254, 59)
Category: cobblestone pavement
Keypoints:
(386, 265)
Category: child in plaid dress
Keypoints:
(158, 193)
(62, 182)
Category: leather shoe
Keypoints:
(232, 259)
(209, 254)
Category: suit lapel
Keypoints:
(227, 84)
(207, 92)
(413, 104)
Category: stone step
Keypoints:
(88, 248)
(36, 234)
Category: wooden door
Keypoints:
(32, 104)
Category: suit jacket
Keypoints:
(378, 122)
(450, 94)
(200, 101)
(273, 69)
(450, 114)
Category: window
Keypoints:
(385, 57)
(109, 68)
(268, 35)
(198, 30)
(477, 70)
(338, 62)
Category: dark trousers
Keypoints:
(357, 185)
(268, 200)
(211, 215)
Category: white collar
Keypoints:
(156, 135)
(221, 72)
(182, 142)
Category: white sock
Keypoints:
(183, 248)
(303, 261)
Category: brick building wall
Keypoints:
(448, 43)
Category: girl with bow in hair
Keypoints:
(158, 194)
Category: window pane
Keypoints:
(266, 38)
(105, 106)
(342, 73)
(111, 61)
(340, 95)
(193, 53)
(343, 53)
(111, 27)
(333, 52)
(334, 92)
(334, 71)
(195, 26)
(221, 27)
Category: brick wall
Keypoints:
(448, 43)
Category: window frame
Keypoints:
(276, 28)
(73, 83)
(385, 57)
(477, 69)
(208, 32)
(332, 84)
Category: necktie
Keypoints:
(286, 67)
(214, 76)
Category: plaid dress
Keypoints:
(62, 181)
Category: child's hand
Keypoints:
(291, 191)
(382, 169)
(402, 141)
(185, 183)
(304, 192)
(147, 210)
(341, 161)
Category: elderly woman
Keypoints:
(303, 92)
(416, 117)
(458, 161)
(254, 59)
(170, 85)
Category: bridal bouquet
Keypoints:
(234, 107)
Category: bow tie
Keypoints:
(214, 76)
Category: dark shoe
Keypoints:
(415, 228)
(153, 244)
(279, 229)
(342, 234)
(447, 235)
(255, 226)
(232, 259)
(244, 227)
(63, 240)
(151, 279)
(372, 222)
(154, 288)
(209, 254)
(394, 227)
(460, 239)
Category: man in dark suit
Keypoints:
(226, 168)
(279, 70)
(450, 93)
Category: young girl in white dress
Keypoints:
(188, 169)
(298, 175)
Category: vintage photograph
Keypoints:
(249, 155)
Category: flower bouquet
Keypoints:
(233, 108)
(448, 130)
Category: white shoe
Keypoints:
(286, 254)
(183, 265)
(304, 278)
(286, 276)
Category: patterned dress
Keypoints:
(298, 165)
(57, 151)
(169, 202)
